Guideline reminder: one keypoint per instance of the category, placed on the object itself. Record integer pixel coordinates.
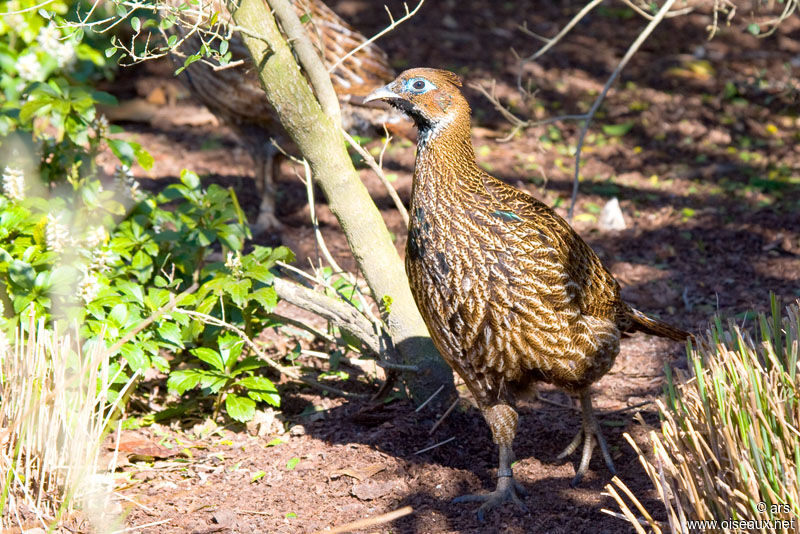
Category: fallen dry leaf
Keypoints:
(359, 474)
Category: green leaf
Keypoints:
(143, 157)
(275, 442)
(122, 150)
(136, 24)
(190, 179)
(248, 364)
(257, 475)
(135, 356)
(261, 389)
(171, 333)
(213, 381)
(754, 28)
(291, 464)
(210, 356)
(239, 408)
(617, 130)
(184, 380)
(281, 253)
(239, 291)
(118, 314)
(230, 348)
(266, 297)
(131, 290)
(21, 274)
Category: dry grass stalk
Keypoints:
(729, 446)
(57, 404)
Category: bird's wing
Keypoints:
(548, 299)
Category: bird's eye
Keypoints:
(419, 85)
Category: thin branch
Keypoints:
(393, 24)
(27, 9)
(379, 172)
(550, 43)
(444, 416)
(426, 449)
(517, 123)
(314, 221)
(340, 314)
(624, 61)
(421, 406)
(648, 16)
(369, 522)
(308, 58)
(302, 326)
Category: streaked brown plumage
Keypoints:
(236, 97)
(510, 293)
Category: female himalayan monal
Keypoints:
(510, 293)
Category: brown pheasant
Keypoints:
(510, 293)
(235, 95)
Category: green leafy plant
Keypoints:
(227, 377)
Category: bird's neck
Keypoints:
(445, 162)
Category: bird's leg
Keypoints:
(267, 164)
(502, 420)
(589, 431)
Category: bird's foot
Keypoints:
(507, 490)
(589, 432)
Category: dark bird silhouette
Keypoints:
(510, 293)
(236, 97)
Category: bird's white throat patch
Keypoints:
(429, 134)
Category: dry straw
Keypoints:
(57, 403)
(729, 443)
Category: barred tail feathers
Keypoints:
(655, 327)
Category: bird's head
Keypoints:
(429, 96)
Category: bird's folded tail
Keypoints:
(655, 327)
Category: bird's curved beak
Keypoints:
(382, 93)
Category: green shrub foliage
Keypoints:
(82, 248)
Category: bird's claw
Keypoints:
(589, 434)
(507, 490)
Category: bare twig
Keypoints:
(550, 43)
(314, 221)
(426, 449)
(378, 170)
(369, 522)
(393, 24)
(648, 16)
(302, 326)
(517, 123)
(429, 399)
(145, 525)
(309, 58)
(444, 416)
(611, 79)
(340, 314)
(28, 9)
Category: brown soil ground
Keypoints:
(708, 178)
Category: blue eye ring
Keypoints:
(419, 85)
